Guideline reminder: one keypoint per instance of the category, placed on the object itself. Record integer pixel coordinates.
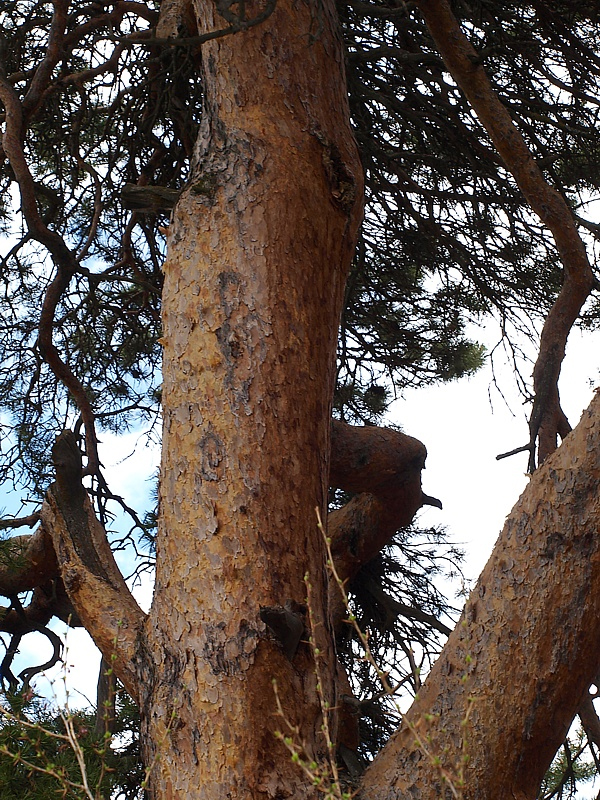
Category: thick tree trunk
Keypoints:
(525, 650)
(259, 250)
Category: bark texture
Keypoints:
(259, 250)
(526, 647)
(383, 467)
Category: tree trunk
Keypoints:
(258, 254)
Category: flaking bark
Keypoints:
(258, 253)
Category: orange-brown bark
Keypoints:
(88, 570)
(259, 250)
(384, 466)
(526, 647)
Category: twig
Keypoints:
(19, 522)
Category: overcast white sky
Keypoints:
(466, 424)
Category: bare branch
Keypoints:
(20, 522)
(464, 63)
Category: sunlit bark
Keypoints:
(259, 249)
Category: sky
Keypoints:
(464, 426)
(467, 423)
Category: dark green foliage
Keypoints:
(87, 138)
(398, 605)
(38, 763)
(570, 768)
(448, 238)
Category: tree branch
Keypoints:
(26, 562)
(91, 577)
(547, 420)
(64, 261)
(589, 719)
(504, 664)
(51, 57)
(384, 467)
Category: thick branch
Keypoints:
(91, 577)
(528, 642)
(26, 562)
(464, 63)
(384, 466)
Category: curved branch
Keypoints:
(64, 261)
(547, 420)
(6, 673)
(48, 600)
(92, 579)
(57, 647)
